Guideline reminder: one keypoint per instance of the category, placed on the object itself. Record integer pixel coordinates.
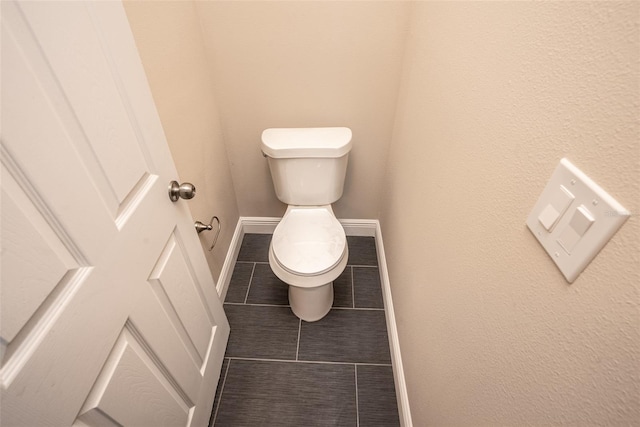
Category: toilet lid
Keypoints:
(308, 241)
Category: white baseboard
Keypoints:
(230, 261)
(360, 227)
(259, 224)
(394, 342)
(352, 227)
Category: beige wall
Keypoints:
(493, 95)
(171, 47)
(304, 64)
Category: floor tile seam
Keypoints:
(390, 365)
(253, 304)
(317, 362)
(355, 368)
(288, 306)
(353, 291)
(348, 265)
(298, 341)
(224, 381)
(246, 296)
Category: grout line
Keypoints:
(288, 306)
(299, 333)
(260, 305)
(353, 291)
(320, 362)
(267, 262)
(224, 381)
(355, 365)
(250, 280)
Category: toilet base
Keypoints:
(311, 304)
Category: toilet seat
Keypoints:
(309, 241)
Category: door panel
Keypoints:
(177, 291)
(32, 250)
(130, 371)
(75, 51)
(109, 312)
(30, 94)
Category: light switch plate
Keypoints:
(591, 202)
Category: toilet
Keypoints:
(308, 250)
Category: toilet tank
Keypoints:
(308, 165)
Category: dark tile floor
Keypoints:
(281, 371)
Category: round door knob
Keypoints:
(186, 190)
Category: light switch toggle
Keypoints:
(580, 222)
(560, 201)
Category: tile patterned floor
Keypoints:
(280, 371)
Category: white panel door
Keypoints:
(109, 314)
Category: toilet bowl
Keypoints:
(308, 250)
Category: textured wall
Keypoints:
(304, 64)
(170, 44)
(493, 95)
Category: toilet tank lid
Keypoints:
(306, 142)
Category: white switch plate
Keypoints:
(608, 216)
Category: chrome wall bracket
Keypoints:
(200, 227)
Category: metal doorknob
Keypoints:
(186, 190)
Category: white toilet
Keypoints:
(308, 249)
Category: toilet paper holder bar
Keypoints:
(200, 227)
